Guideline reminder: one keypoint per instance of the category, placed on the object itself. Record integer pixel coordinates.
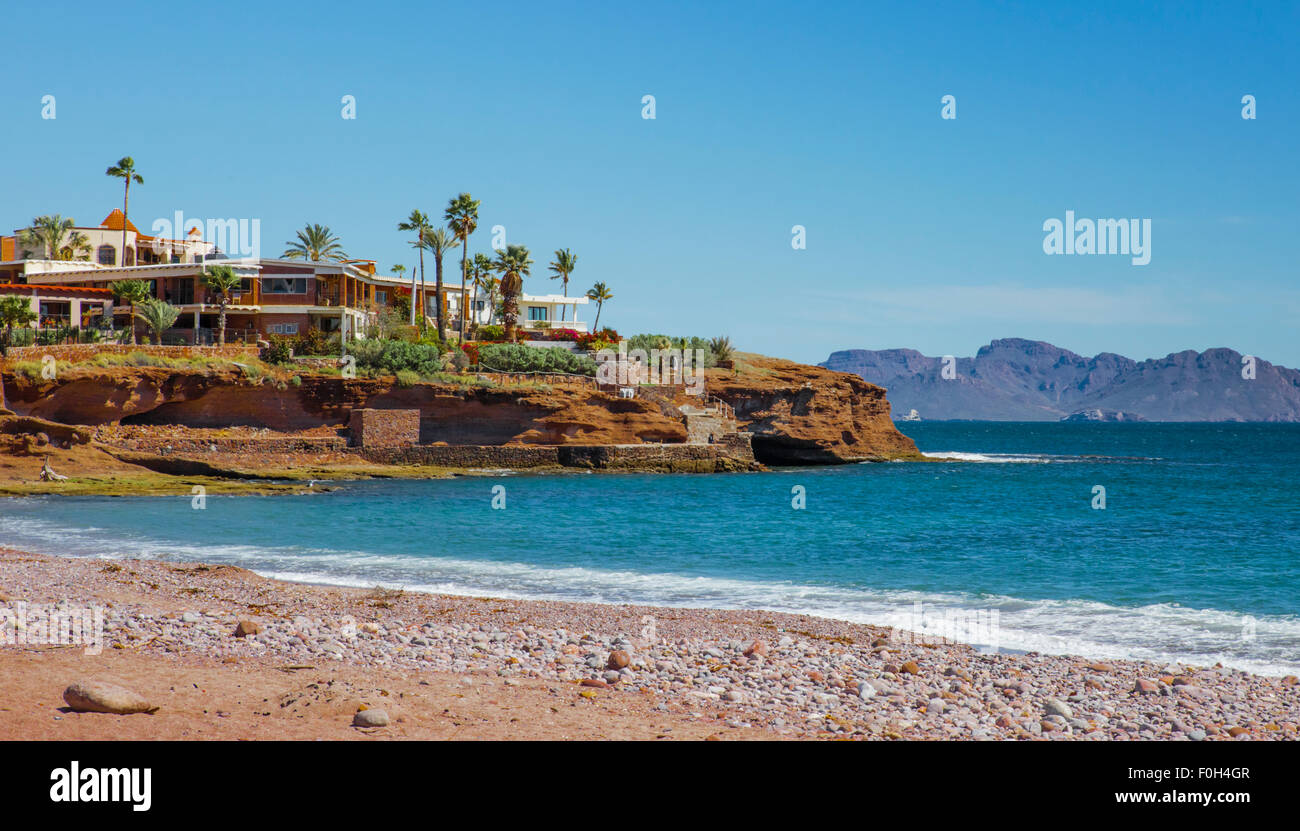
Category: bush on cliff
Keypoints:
(506, 357)
(662, 342)
(392, 356)
(279, 350)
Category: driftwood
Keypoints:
(48, 474)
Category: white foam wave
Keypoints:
(1161, 632)
(994, 458)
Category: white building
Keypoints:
(550, 311)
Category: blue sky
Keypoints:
(921, 232)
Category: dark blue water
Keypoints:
(1195, 556)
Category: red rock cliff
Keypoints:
(800, 414)
(797, 414)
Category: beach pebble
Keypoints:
(618, 659)
(1056, 707)
(246, 628)
(758, 647)
(910, 668)
(1145, 687)
(370, 718)
(103, 697)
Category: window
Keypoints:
(537, 313)
(381, 297)
(284, 285)
(480, 305)
(107, 255)
(283, 328)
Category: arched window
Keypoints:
(107, 255)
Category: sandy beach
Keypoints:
(442, 667)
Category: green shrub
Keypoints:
(391, 356)
(279, 350)
(315, 342)
(492, 332)
(509, 357)
(407, 378)
(649, 342)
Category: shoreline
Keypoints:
(741, 674)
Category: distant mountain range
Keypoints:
(1024, 380)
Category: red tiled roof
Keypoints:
(45, 289)
(114, 220)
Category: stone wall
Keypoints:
(78, 352)
(733, 453)
(217, 444)
(384, 428)
(702, 428)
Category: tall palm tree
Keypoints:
(47, 232)
(439, 241)
(513, 264)
(157, 315)
(418, 222)
(315, 243)
(480, 272)
(462, 217)
(223, 280)
(132, 292)
(125, 170)
(562, 266)
(600, 293)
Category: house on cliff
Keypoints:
(70, 288)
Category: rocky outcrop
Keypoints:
(799, 414)
(794, 414)
(449, 413)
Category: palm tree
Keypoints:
(78, 247)
(47, 232)
(14, 311)
(315, 243)
(418, 222)
(514, 264)
(439, 241)
(562, 266)
(480, 272)
(125, 170)
(722, 349)
(132, 292)
(462, 217)
(157, 315)
(223, 280)
(493, 288)
(600, 293)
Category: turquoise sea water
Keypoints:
(1196, 555)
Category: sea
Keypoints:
(1164, 542)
